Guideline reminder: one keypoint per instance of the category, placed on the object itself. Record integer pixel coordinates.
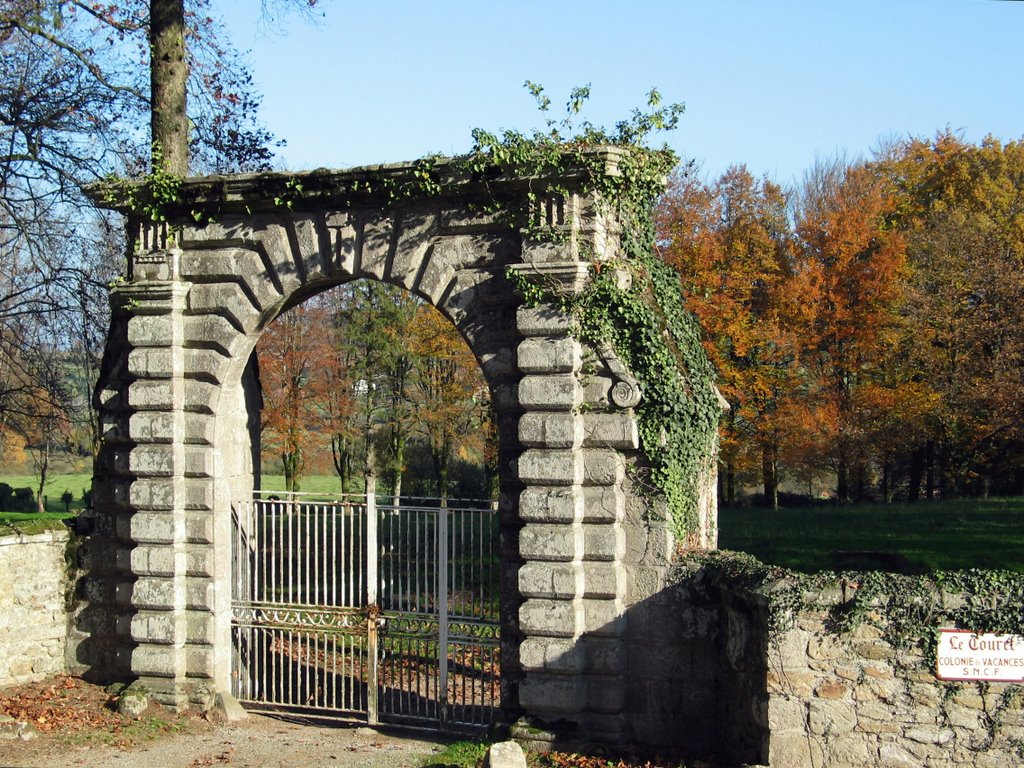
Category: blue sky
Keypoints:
(769, 84)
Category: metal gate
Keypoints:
(365, 608)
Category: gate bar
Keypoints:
(372, 609)
(442, 610)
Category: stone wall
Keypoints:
(711, 681)
(857, 699)
(33, 614)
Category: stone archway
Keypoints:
(176, 404)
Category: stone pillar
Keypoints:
(154, 602)
(551, 618)
(573, 578)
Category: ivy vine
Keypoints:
(909, 610)
(643, 318)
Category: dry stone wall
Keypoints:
(715, 682)
(857, 699)
(33, 617)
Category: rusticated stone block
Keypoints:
(230, 300)
(549, 654)
(555, 392)
(559, 543)
(604, 580)
(154, 560)
(199, 594)
(603, 467)
(199, 628)
(156, 527)
(603, 504)
(151, 330)
(200, 661)
(550, 580)
(604, 618)
(151, 363)
(152, 460)
(205, 364)
(550, 618)
(546, 355)
(213, 332)
(160, 661)
(152, 395)
(551, 504)
(199, 396)
(199, 428)
(542, 429)
(199, 462)
(610, 430)
(551, 467)
(160, 627)
(603, 542)
(546, 693)
(152, 426)
(543, 320)
(156, 593)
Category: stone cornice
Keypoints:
(326, 188)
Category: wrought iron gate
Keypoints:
(366, 608)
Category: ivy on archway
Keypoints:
(642, 316)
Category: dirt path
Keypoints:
(76, 724)
(257, 742)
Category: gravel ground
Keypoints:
(75, 723)
(256, 742)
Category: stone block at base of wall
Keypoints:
(33, 615)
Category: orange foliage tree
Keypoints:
(297, 368)
(846, 287)
(447, 391)
(730, 242)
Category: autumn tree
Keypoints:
(961, 207)
(846, 286)
(729, 240)
(447, 384)
(294, 357)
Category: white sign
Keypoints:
(965, 655)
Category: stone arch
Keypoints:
(176, 404)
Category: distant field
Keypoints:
(928, 536)
(328, 485)
(939, 535)
(55, 487)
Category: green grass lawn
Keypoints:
(55, 487)
(937, 535)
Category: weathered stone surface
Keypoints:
(543, 321)
(547, 355)
(551, 618)
(550, 430)
(549, 580)
(554, 392)
(551, 504)
(33, 622)
(611, 430)
(551, 467)
(830, 717)
(505, 754)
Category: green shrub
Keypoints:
(24, 500)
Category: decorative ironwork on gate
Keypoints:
(367, 607)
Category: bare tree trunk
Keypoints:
(769, 474)
(44, 465)
(168, 74)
